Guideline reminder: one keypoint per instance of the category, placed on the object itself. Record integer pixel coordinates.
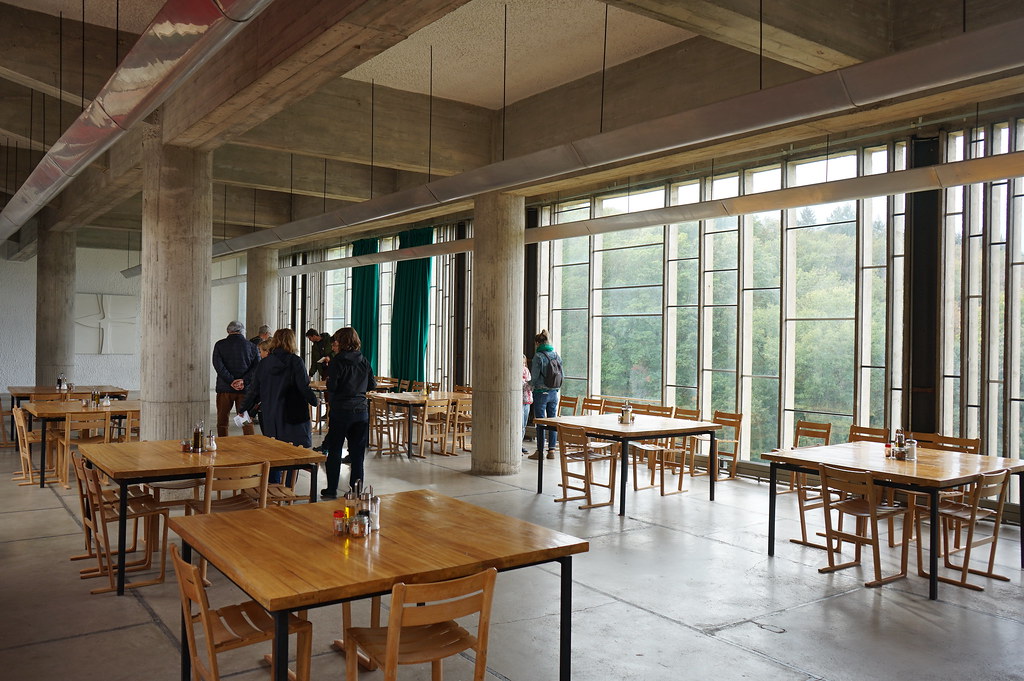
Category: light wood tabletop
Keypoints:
(643, 427)
(424, 536)
(60, 410)
(420, 398)
(933, 470)
(24, 391)
(130, 463)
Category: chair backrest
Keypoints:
(403, 385)
(947, 443)
(237, 479)
(612, 406)
(21, 430)
(416, 386)
(415, 605)
(729, 420)
(687, 414)
(812, 430)
(847, 480)
(592, 405)
(192, 592)
(567, 406)
(571, 439)
(866, 434)
(99, 420)
(654, 410)
(463, 408)
(433, 387)
(462, 389)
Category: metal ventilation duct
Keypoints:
(182, 37)
(986, 53)
(988, 169)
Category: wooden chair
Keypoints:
(101, 514)
(235, 479)
(866, 434)
(592, 405)
(433, 386)
(852, 492)
(567, 406)
(5, 436)
(673, 459)
(808, 496)
(422, 627)
(463, 389)
(946, 443)
(574, 449)
(612, 406)
(403, 385)
(125, 427)
(283, 493)
(968, 512)
(432, 419)
(650, 452)
(26, 438)
(460, 422)
(231, 626)
(734, 421)
(110, 497)
(91, 428)
(385, 424)
(417, 386)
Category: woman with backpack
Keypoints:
(546, 378)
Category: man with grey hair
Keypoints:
(264, 334)
(234, 359)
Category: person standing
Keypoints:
(281, 387)
(348, 378)
(320, 354)
(545, 396)
(527, 398)
(261, 336)
(234, 360)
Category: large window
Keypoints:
(782, 315)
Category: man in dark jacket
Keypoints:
(234, 359)
(320, 354)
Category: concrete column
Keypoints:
(497, 359)
(55, 305)
(177, 238)
(261, 287)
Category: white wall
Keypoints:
(98, 271)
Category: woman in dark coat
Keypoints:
(349, 376)
(280, 386)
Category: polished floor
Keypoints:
(680, 588)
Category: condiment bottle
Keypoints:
(211, 441)
(340, 523)
(360, 525)
(197, 438)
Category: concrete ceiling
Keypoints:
(132, 16)
(547, 43)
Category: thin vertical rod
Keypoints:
(373, 91)
(430, 115)
(117, 33)
(760, 46)
(504, 79)
(604, 70)
(325, 184)
(291, 187)
(83, 55)
(253, 213)
(31, 121)
(60, 71)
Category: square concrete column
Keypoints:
(499, 225)
(55, 304)
(261, 287)
(177, 249)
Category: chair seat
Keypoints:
(236, 502)
(417, 643)
(862, 508)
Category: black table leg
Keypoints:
(186, 660)
(713, 466)
(773, 476)
(14, 431)
(540, 468)
(408, 431)
(42, 455)
(1020, 507)
(933, 558)
(313, 470)
(280, 670)
(122, 535)
(624, 476)
(565, 622)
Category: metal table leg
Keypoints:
(773, 477)
(122, 535)
(565, 622)
(186, 660)
(713, 465)
(933, 558)
(624, 476)
(280, 670)
(42, 455)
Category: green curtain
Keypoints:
(366, 299)
(410, 309)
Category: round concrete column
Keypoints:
(55, 306)
(261, 286)
(177, 238)
(498, 260)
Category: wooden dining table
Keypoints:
(287, 558)
(643, 427)
(130, 463)
(50, 411)
(20, 393)
(414, 400)
(931, 472)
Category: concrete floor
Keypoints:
(681, 588)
